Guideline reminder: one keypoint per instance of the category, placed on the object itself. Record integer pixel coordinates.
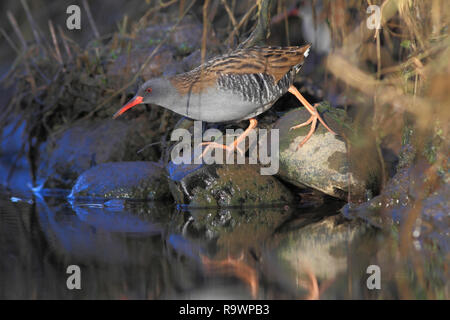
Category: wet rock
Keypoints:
(322, 163)
(129, 180)
(87, 144)
(225, 186)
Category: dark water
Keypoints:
(156, 251)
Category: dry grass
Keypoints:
(400, 74)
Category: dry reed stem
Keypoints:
(230, 13)
(29, 76)
(205, 30)
(65, 44)
(90, 19)
(361, 33)
(33, 26)
(16, 28)
(180, 8)
(162, 5)
(241, 22)
(286, 23)
(55, 42)
(9, 40)
(366, 83)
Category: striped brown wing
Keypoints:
(273, 61)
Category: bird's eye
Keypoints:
(148, 90)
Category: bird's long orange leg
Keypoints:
(314, 116)
(235, 144)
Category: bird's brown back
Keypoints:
(274, 62)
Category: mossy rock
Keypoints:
(228, 185)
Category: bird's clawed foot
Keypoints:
(232, 146)
(313, 119)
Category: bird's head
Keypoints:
(150, 92)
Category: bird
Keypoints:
(232, 87)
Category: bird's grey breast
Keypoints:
(236, 97)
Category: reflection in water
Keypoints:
(233, 267)
(131, 250)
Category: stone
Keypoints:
(127, 180)
(228, 185)
(84, 145)
(322, 163)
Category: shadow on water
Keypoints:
(143, 250)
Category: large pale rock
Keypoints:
(322, 163)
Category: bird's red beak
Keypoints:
(136, 100)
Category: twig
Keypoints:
(380, 159)
(411, 60)
(55, 42)
(33, 26)
(205, 29)
(16, 28)
(21, 55)
(262, 29)
(367, 84)
(91, 20)
(150, 11)
(230, 14)
(64, 41)
(148, 145)
(361, 33)
(286, 23)
(244, 18)
(11, 43)
(181, 7)
(33, 64)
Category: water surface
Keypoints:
(143, 250)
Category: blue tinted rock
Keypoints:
(124, 180)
